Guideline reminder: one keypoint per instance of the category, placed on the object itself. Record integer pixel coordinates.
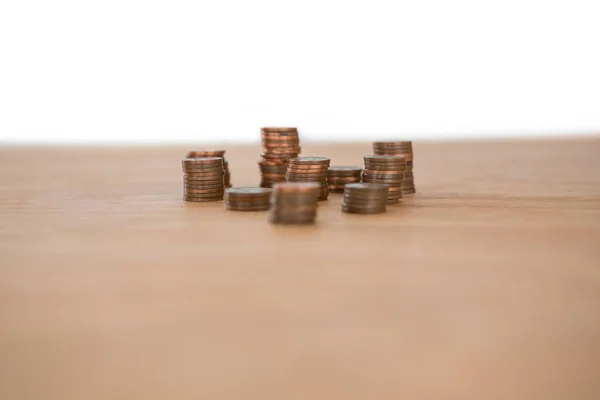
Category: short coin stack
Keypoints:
(405, 150)
(337, 177)
(294, 202)
(279, 146)
(388, 170)
(365, 198)
(213, 153)
(247, 199)
(309, 169)
(203, 179)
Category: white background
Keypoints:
(158, 71)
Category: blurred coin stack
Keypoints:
(203, 179)
(337, 177)
(279, 146)
(405, 150)
(365, 198)
(247, 199)
(294, 202)
(388, 170)
(202, 153)
(309, 169)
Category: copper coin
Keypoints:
(390, 164)
(248, 192)
(200, 200)
(365, 187)
(383, 172)
(307, 173)
(395, 177)
(280, 157)
(280, 143)
(279, 129)
(296, 187)
(276, 171)
(203, 160)
(205, 187)
(198, 172)
(394, 168)
(204, 195)
(200, 168)
(393, 143)
(201, 153)
(282, 149)
(337, 187)
(203, 183)
(292, 140)
(273, 163)
(204, 178)
(310, 160)
(366, 201)
(273, 176)
(388, 181)
(337, 180)
(231, 208)
(344, 170)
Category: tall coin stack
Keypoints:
(203, 179)
(279, 146)
(388, 170)
(294, 202)
(213, 153)
(309, 169)
(405, 150)
(365, 198)
(247, 199)
(337, 177)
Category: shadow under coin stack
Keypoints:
(213, 153)
(337, 177)
(279, 146)
(247, 199)
(294, 202)
(203, 179)
(388, 170)
(405, 150)
(365, 198)
(309, 169)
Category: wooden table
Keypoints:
(483, 285)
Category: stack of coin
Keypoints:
(203, 179)
(294, 202)
(337, 177)
(213, 153)
(271, 173)
(365, 198)
(279, 146)
(309, 169)
(247, 199)
(388, 170)
(405, 150)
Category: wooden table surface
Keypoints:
(485, 284)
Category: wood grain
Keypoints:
(485, 284)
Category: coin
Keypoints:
(203, 179)
(202, 153)
(271, 156)
(368, 210)
(310, 161)
(344, 170)
(203, 161)
(215, 196)
(313, 177)
(278, 129)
